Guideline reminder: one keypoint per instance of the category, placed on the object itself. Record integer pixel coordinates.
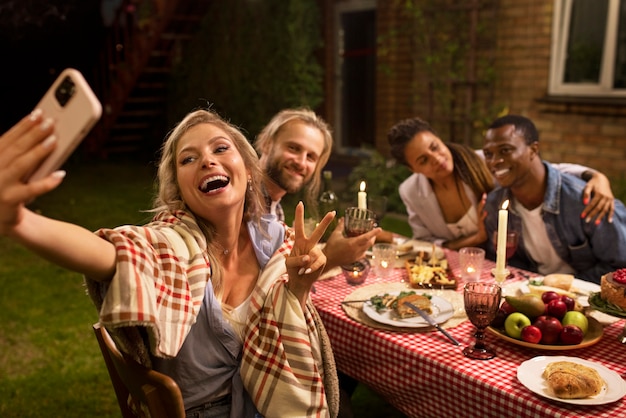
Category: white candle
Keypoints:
(362, 197)
(503, 216)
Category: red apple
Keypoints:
(569, 302)
(571, 335)
(549, 295)
(507, 308)
(556, 308)
(550, 328)
(576, 318)
(531, 334)
(498, 321)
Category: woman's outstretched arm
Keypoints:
(22, 149)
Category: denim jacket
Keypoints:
(592, 250)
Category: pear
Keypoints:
(530, 305)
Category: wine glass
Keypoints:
(378, 205)
(512, 239)
(357, 221)
(482, 301)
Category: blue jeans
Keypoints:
(220, 408)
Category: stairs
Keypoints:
(134, 72)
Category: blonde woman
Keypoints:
(203, 290)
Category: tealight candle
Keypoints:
(362, 197)
(356, 273)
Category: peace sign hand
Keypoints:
(306, 261)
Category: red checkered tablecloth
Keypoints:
(425, 375)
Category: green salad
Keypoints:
(596, 302)
(387, 301)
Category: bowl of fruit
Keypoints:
(550, 321)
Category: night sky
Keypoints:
(38, 39)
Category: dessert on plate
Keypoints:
(613, 288)
(569, 380)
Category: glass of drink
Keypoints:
(512, 239)
(482, 301)
(358, 221)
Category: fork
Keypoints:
(346, 302)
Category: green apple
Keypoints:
(576, 318)
(514, 323)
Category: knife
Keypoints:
(432, 322)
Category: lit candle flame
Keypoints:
(362, 187)
(505, 205)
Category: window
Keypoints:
(589, 48)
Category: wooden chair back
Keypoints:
(136, 386)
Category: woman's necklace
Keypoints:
(226, 251)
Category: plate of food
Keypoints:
(564, 284)
(388, 308)
(571, 380)
(431, 273)
(592, 336)
(610, 298)
(412, 248)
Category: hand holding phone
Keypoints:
(74, 107)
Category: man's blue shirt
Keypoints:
(592, 250)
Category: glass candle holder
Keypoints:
(357, 272)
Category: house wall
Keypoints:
(589, 132)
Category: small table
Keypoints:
(424, 375)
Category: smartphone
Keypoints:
(75, 110)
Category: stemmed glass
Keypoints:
(357, 221)
(482, 301)
(512, 239)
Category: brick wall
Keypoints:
(586, 133)
(594, 135)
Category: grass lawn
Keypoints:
(50, 364)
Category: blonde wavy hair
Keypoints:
(267, 136)
(169, 198)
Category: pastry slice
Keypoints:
(420, 301)
(569, 380)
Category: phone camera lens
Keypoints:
(65, 91)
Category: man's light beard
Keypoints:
(284, 180)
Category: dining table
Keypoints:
(423, 374)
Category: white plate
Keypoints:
(412, 247)
(530, 372)
(442, 310)
(580, 287)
